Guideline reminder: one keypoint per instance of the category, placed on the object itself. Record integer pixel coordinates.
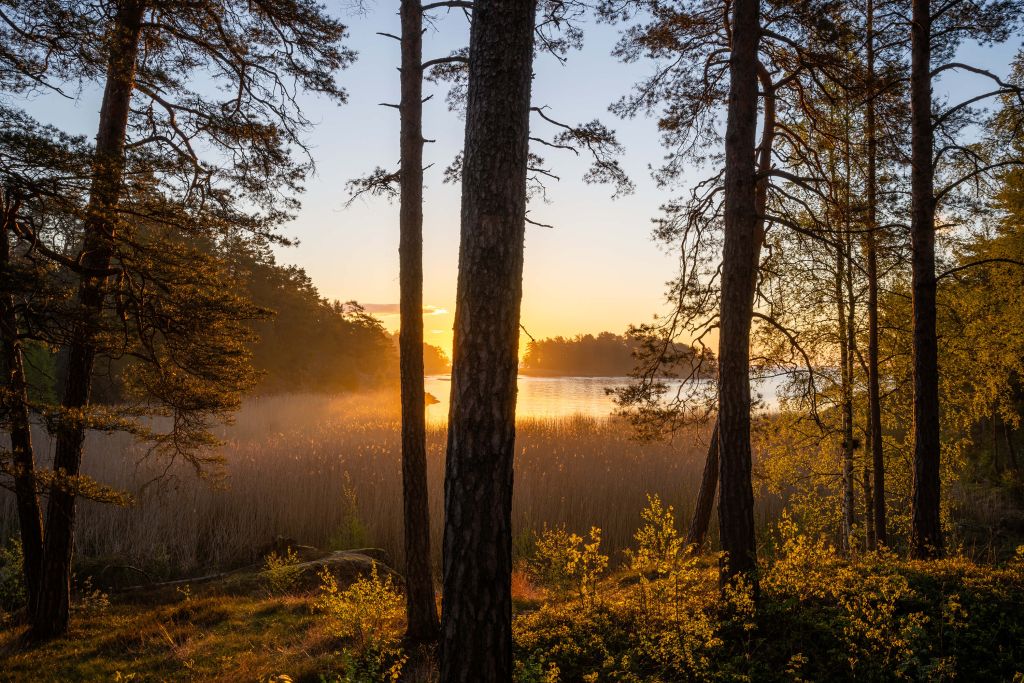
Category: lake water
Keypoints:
(541, 396)
(559, 396)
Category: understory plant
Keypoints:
(563, 560)
(367, 616)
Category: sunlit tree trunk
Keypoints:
(419, 581)
(851, 370)
(476, 620)
(926, 528)
(740, 254)
(50, 618)
(14, 401)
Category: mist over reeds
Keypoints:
(326, 471)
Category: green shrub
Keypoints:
(89, 599)
(366, 611)
(563, 560)
(12, 578)
(659, 547)
(368, 614)
(820, 615)
(281, 572)
(353, 532)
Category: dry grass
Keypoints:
(211, 638)
(326, 472)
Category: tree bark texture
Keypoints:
(926, 527)
(698, 531)
(875, 445)
(740, 253)
(421, 608)
(14, 401)
(476, 628)
(846, 390)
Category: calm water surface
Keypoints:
(558, 396)
(542, 396)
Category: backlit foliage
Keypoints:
(563, 560)
(366, 615)
(821, 616)
(281, 571)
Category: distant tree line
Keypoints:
(299, 341)
(308, 343)
(587, 355)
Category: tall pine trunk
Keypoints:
(846, 390)
(50, 618)
(698, 530)
(851, 374)
(849, 354)
(419, 582)
(476, 621)
(16, 414)
(875, 446)
(739, 271)
(926, 528)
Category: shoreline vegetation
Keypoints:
(598, 521)
(325, 470)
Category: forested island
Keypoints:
(585, 355)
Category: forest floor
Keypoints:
(202, 636)
(819, 617)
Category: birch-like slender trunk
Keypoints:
(875, 446)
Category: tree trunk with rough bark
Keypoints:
(14, 401)
(50, 618)
(419, 581)
(875, 446)
(739, 272)
(846, 390)
(698, 531)
(926, 526)
(476, 620)
(851, 339)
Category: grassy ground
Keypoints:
(820, 617)
(206, 638)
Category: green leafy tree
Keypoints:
(149, 190)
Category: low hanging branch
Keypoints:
(982, 262)
(451, 59)
(379, 183)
